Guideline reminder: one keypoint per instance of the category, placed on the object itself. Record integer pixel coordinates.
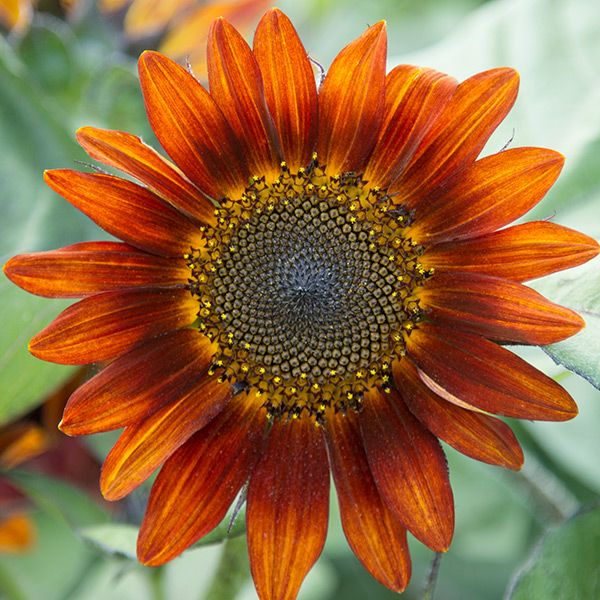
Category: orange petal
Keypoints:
(487, 376)
(498, 309)
(145, 18)
(91, 267)
(20, 442)
(519, 253)
(127, 211)
(17, 533)
(199, 482)
(409, 468)
(351, 102)
(477, 435)
(288, 507)
(188, 36)
(372, 530)
(191, 127)
(139, 383)
(16, 14)
(290, 88)
(104, 326)
(112, 5)
(493, 192)
(459, 134)
(144, 446)
(236, 85)
(414, 98)
(129, 154)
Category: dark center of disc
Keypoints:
(306, 290)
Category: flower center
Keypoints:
(307, 286)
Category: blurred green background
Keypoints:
(61, 74)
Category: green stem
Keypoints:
(9, 588)
(156, 583)
(552, 501)
(434, 570)
(232, 572)
(85, 573)
(576, 487)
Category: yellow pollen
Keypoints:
(265, 290)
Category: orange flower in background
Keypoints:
(15, 14)
(182, 24)
(35, 442)
(18, 443)
(186, 23)
(320, 281)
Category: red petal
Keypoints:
(288, 506)
(139, 383)
(236, 85)
(199, 482)
(521, 252)
(498, 309)
(487, 376)
(414, 98)
(290, 88)
(143, 447)
(459, 134)
(129, 154)
(91, 267)
(479, 436)
(409, 468)
(191, 127)
(493, 192)
(351, 102)
(127, 211)
(106, 325)
(372, 530)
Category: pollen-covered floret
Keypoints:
(307, 286)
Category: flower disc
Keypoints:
(307, 285)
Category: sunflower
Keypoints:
(320, 282)
(183, 24)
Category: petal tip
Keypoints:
(8, 266)
(86, 133)
(108, 488)
(147, 557)
(149, 58)
(378, 32)
(507, 74)
(65, 427)
(517, 465)
(34, 347)
(147, 55)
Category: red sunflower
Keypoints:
(320, 281)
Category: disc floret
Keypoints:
(307, 287)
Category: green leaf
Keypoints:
(117, 539)
(50, 83)
(120, 538)
(564, 564)
(578, 289)
(222, 531)
(33, 218)
(45, 50)
(58, 498)
(54, 566)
